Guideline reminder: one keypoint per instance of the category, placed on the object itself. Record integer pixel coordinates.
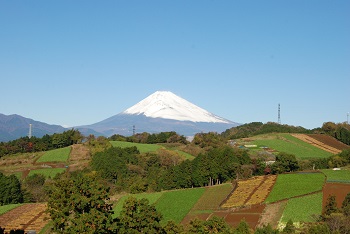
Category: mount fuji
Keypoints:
(162, 111)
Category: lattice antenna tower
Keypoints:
(30, 131)
(133, 130)
(279, 113)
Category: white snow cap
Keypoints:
(166, 105)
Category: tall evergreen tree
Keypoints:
(78, 204)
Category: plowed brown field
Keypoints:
(319, 144)
(339, 190)
(27, 217)
(331, 141)
(250, 214)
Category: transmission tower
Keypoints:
(30, 131)
(279, 113)
(133, 130)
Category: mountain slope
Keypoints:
(162, 111)
(166, 105)
(15, 126)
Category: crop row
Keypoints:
(251, 191)
(316, 143)
(263, 191)
(28, 217)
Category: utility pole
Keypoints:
(279, 113)
(30, 131)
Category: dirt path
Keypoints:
(79, 157)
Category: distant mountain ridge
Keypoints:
(15, 126)
(160, 112)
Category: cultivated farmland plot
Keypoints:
(56, 155)
(173, 205)
(27, 217)
(303, 209)
(341, 176)
(319, 144)
(293, 185)
(250, 192)
(286, 143)
(47, 172)
(339, 190)
(143, 148)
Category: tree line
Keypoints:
(35, 144)
(135, 173)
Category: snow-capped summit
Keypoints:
(167, 105)
(162, 111)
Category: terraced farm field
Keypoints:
(56, 155)
(331, 141)
(250, 192)
(212, 198)
(313, 141)
(284, 142)
(143, 148)
(27, 217)
(292, 185)
(303, 209)
(174, 205)
(339, 190)
(340, 176)
(47, 172)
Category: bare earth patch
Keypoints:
(272, 214)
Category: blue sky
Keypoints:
(79, 62)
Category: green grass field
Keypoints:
(143, 148)
(284, 142)
(6, 208)
(173, 205)
(342, 176)
(212, 198)
(303, 209)
(152, 198)
(56, 155)
(47, 172)
(292, 185)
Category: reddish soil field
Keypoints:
(340, 190)
(232, 218)
(328, 140)
(190, 217)
(27, 217)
